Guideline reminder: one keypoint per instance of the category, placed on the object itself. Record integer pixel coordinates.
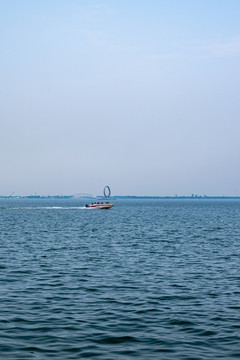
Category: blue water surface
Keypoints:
(147, 279)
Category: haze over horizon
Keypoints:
(140, 96)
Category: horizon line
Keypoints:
(89, 196)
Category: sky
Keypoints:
(139, 95)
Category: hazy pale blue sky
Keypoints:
(140, 95)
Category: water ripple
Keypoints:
(146, 280)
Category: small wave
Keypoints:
(63, 207)
(44, 208)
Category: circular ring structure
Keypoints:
(107, 192)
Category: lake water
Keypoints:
(147, 279)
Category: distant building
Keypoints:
(82, 195)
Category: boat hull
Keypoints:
(100, 206)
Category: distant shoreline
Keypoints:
(118, 197)
(176, 197)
